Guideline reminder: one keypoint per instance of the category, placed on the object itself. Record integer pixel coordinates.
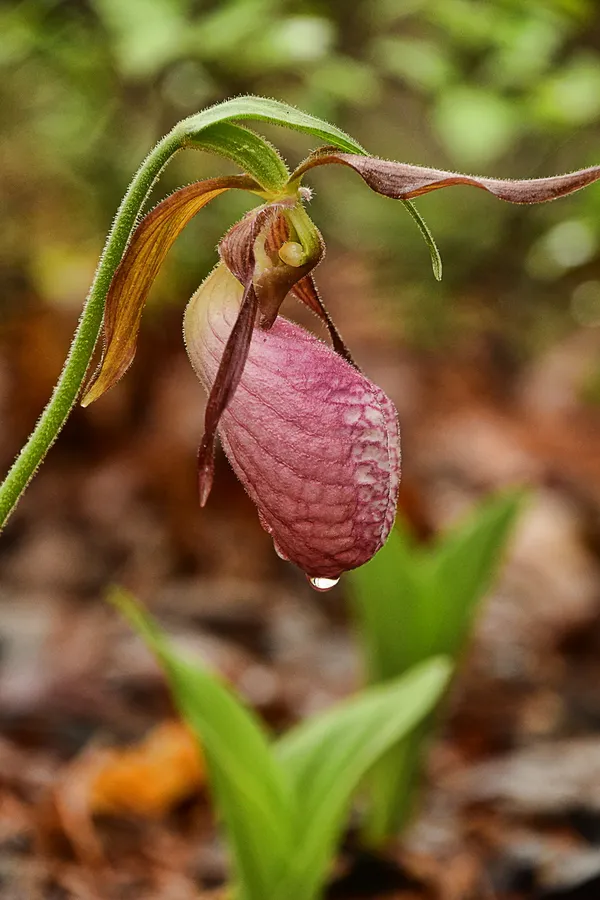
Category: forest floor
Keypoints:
(100, 794)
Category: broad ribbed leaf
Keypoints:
(145, 253)
(248, 786)
(284, 806)
(394, 785)
(413, 602)
(327, 757)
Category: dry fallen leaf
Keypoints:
(148, 779)
(145, 781)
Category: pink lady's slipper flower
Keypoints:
(314, 442)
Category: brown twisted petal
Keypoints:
(145, 253)
(403, 181)
(307, 292)
(229, 373)
(236, 248)
(237, 252)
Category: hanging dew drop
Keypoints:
(322, 584)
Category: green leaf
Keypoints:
(413, 602)
(284, 806)
(249, 788)
(262, 109)
(476, 124)
(394, 784)
(462, 570)
(327, 757)
(253, 154)
(387, 594)
(436, 259)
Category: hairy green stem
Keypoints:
(84, 341)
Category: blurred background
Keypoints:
(495, 373)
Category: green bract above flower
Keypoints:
(314, 442)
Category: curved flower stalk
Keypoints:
(314, 442)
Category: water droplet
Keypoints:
(322, 584)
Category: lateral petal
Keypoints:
(145, 253)
(402, 181)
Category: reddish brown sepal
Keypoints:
(147, 249)
(402, 181)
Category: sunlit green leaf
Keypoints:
(147, 35)
(262, 109)
(328, 756)
(387, 593)
(346, 78)
(290, 42)
(253, 154)
(424, 64)
(466, 561)
(249, 788)
(572, 95)
(223, 32)
(412, 603)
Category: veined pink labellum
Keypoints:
(314, 442)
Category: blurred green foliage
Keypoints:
(283, 804)
(502, 87)
(412, 602)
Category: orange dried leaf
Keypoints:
(148, 779)
(144, 780)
